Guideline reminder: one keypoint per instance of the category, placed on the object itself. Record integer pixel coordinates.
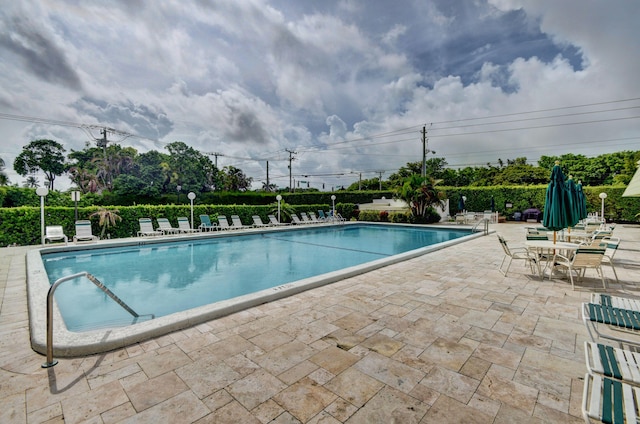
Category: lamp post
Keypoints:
(42, 192)
(602, 196)
(75, 196)
(333, 205)
(278, 198)
(178, 187)
(191, 196)
(464, 200)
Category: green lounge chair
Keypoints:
(609, 401)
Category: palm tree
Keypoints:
(31, 182)
(420, 194)
(106, 218)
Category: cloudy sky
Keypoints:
(346, 85)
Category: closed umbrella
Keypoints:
(557, 206)
(582, 201)
(461, 204)
(575, 203)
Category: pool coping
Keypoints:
(71, 344)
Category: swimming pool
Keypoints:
(182, 282)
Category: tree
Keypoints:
(44, 155)
(4, 180)
(420, 194)
(31, 182)
(235, 179)
(190, 169)
(106, 218)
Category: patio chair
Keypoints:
(54, 233)
(146, 228)
(314, 218)
(612, 362)
(305, 218)
(237, 224)
(620, 302)
(165, 226)
(518, 253)
(274, 221)
(584, 258)
(609, 401)
(206, 224)
(223, 223)
(610, 323)
(83, 232)
(185, 227)
(257, 222)
(296, 220)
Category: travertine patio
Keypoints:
(441, 338)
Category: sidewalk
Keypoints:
(441, 338)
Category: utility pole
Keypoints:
(380, 178)
(425, 150)
(291, 158)
(268, 188)
(215, 155)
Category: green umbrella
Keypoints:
(557, 206)
(575, 201)
(582, 201)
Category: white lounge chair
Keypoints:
(237, 224)
(83, 232)
(146, 228)
(613, 362)
(274, 221)
(165, 226)
(609, 401)
(223, 223)
(206, 224)
(296, 220)
(54, 233)
(185, 227)
(305, 218)
(611, 323)
(315, 219)
(257, 222)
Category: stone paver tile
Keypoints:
(206, 377)
(447, 353)
(334, 359)
(305, 399)
(535, 359)
(14, 409)
(556, 384)
(341, 410)
(323, 418)
(484, 404)
(383, 345)
(344, 339)
(509, 415)
(153, 391)
(217, 400)
(271, 339)
(354, 386)
(267, 411)
(390, 372)
(118, 413)
(450, 411)
(353, 322)
(552, 415)
(490, 337)
(241, 364)
(499, 356)
(298, 372)
(390, 406)
(185, 408)
(475, 368)
(284, 357)
(156, 365)
(93, 403)
(255, 388)
(482, 319)
(59, 387)
(450, 383)
(510, 392)
(48, 413)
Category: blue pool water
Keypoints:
(163, 278)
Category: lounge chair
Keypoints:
(257, 222)
(582, 259)
(165, 226)
(237, 224)
(296, 220)
(314, 218)
(609, 401)
(610, 251)
(305, 218)
(274, 221)
(54, 233)
(185, 227)
(607, 322)
(83, 232)
(517, 253)
(206, 224)
(223, 224)
(613, 362)
(322, 216)
(616, 301)
(146, 228)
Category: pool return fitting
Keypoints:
(50, 361)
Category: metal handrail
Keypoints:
(486, 226)
(50, 361)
